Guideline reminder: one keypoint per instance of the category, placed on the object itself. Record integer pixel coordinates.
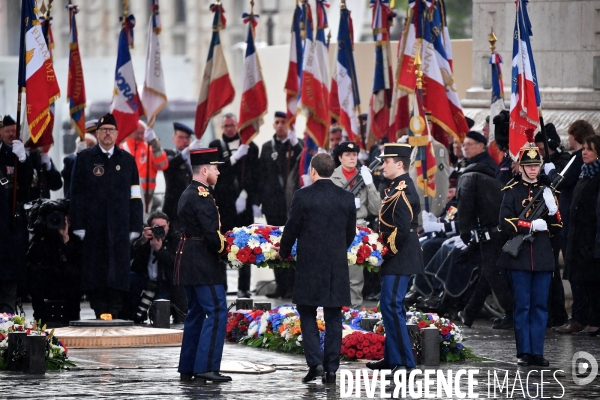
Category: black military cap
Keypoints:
(344, 147)
(396, 150)
(8, 121)
(108, 119)
(280, 114)
(363, 117)
(551, 134)
(178, 126)
(205, 156)
(478, 137)
(530, 155)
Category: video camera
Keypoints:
(45, 214)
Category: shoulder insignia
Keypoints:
(510, 185)
(202, 191)
(401, 186)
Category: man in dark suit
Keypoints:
(197, 269)
(323, 219)
(179, 173)
(106, 213)
(398, 221)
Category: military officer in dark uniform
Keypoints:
(277, 159)
(398, 221)
(197, 269)
(179, 173)
(531, 271)
(106, 213)
(237, 193)
(323, 219)
(13, 232)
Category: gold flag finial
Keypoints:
(343, 5)
(125, 12)
(492, 39)
(328, 37)
(418, 64)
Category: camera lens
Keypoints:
(158, 231)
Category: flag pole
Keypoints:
(423, 149)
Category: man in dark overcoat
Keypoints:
(398, 221)
(197, 269)
(13, 232)
(237, 192)
(323, 219)
(179, 173)
(278, 157)
(106, 213)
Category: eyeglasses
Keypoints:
(229, 126)
(107, 130)
(468, 144)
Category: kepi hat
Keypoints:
(205, 156)
(396, 150)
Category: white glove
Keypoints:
(403, 139)
(548, 167)
(378, 263)
(363, 156)
(538, 225)
(550, 202)
(46, 161)
(292, 137)
(429, 226)
(357, 202)
(240, 152)
(240, 203)
(428, 217)
(459, 244)
(306, 181)
(19, 150)
(81, 146)
(133, 235)
(149, 135)
(80, 233)
(366, 175)
(256, 211)
(451, 241)
(195, 145)
(321, 150)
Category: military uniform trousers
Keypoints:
(357, 282)
(530, 290)
(203, 329)
(397, 347)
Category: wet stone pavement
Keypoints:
(151, 373)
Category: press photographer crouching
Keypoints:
(53, 263)
(152, 260)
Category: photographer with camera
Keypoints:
(153, 257)
(53, 263)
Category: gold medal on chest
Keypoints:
(98, 170)
(202, 191)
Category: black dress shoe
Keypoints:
(583, 332)
(411, 297)
(212, 376)
(329, 377)
(313, 373)
(378, 365)
(524, 360)
(540, 361)
(466, 320)
(506, 323)
(186, 377)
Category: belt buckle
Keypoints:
(3, 181)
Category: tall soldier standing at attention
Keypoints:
(197, 269)
(531, 270)
(398, 221)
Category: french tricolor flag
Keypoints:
(380, 103)
(126, 105)
(346, 80)
(75, 83)
(216, 90)
(314, 92)
(254, 96)
(525, 96)
(399, 116)
(36, 73)
(409, 47)
(294, 75)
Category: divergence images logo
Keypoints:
(584, 368)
